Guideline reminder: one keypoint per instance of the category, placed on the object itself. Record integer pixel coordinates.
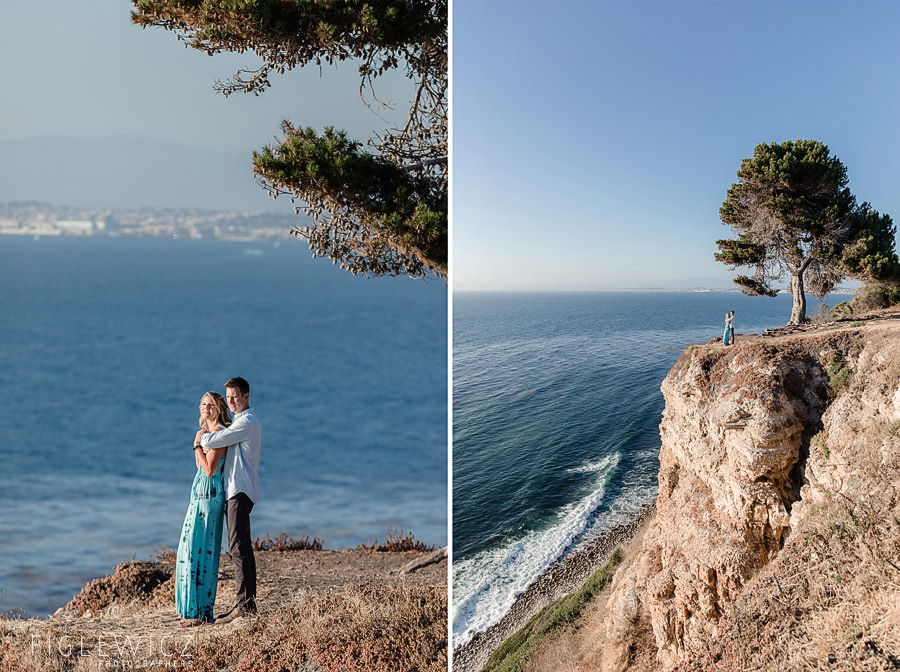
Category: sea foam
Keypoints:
(486, 585)
(594, 466)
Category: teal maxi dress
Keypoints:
(197, 562)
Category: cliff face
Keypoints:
(758, 440)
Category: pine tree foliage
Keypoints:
(871, 255)
(381, 211)
(795, 217)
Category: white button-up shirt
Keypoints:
(243, 440)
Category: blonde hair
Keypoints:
(223, 417)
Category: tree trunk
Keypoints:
(798, 312)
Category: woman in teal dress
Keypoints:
(197, 564)
(726, 338)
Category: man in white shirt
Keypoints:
(241, 475)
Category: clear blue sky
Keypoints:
(82, 69)
(594, 141)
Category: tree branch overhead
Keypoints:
(379, 207)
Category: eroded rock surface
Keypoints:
(736, 443)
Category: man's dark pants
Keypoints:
(240, 546)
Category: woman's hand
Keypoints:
(200, 433)
(209, 459)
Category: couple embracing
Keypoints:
(728, 336)
(226, 451)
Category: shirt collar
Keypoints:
(249, 409)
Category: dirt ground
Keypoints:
(283, 578)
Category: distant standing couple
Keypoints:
(226, 451)
(728, 338)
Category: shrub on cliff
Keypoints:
(131, 581)
(283, 542)
(821, 315)
(839, 375)
(395, 543)
(876, 296)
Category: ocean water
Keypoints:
(556, 411)
(107, 346)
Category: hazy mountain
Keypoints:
(129, 172)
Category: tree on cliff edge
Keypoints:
(795, 217)
(382, 212)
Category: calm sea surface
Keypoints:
(107, 346)
(556, 411)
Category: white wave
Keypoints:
(486, 585)
(594, 466)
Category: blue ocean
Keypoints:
(107, 347)
(556, 412)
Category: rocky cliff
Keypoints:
(777, 537)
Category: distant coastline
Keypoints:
(37, 220)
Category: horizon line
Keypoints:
(698, 290)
